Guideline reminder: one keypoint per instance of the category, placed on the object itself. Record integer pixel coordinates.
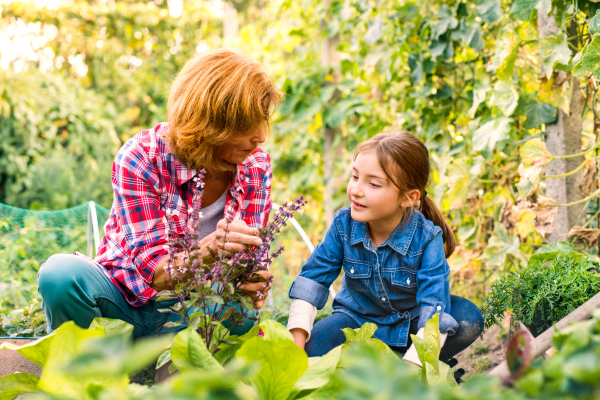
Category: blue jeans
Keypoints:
(327, 333)
(74, 288)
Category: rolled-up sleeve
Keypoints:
(321, 269)
(433, 294)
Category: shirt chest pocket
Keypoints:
(404, 279)
(358, 274)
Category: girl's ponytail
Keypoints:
(405, 161)
(431, 212)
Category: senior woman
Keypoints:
(218, 111)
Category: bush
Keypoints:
(555, 282)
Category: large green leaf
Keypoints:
(480, 91)
(521, 9)
(590, 60)
(36, 351)
(14, 385)
(113, 326)
(189, 352)
(445, 20)
(536, 113)
(282, 363)
(68, 344)
(273, 330)
(489, 10)
(490, 133)
(506, 53)
(429, 348)
(534, 160)
(505, 97)
(556, 91)
(554, 50)
(320, 371)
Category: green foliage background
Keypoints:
(464, 75)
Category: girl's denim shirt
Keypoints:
(404, 278)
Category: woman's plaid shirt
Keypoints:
(152, 189)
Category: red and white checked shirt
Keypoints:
(147, 181)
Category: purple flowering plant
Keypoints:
(210, 284)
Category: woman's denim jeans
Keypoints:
(327, 333)
(74, 288)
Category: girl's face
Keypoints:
(373, 197)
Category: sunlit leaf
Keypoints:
(506, 53)
(521, 9)
(490, 133)
(14, 385)
(189, 352)
(505, 97)
(554, 50)
(534, 160)
(556, 91)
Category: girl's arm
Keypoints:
(310, 289)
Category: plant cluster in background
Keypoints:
(26, 322)
(555, 282)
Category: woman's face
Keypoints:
(237, 152)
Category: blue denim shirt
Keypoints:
(405, 277)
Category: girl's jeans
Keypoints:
(74, 288)
(327, 333)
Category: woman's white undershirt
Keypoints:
(302, 315)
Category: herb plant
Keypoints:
(210, 284)
(555, 282)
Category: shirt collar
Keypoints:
(399, 240)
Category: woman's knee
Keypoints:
(59, 274)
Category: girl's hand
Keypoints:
(299, 335)
(258, 291)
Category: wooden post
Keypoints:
(563, 137)
(544, 341)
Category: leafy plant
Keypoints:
(27, 322)
(555, 282)
(208, 285)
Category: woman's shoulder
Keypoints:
(148, 143)
(259, 158)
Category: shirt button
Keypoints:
(408, 280)
(439, 308)
(352, 271)
(383, 298)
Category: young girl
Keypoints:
(392, 244)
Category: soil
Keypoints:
(485, 353)
(11, 361)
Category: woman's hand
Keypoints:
(258, 291)
(231, 237)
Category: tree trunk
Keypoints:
(563, 137)
(331, 61)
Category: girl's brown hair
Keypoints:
(405, 161)
(219, 97)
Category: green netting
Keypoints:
(28, 238)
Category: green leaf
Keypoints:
(445, 20)
(374, 32)
(521, 9)
(319, 372)
(365, 332)
(534, 160)
(69, 343)
(594, 25)
(335, 115)
(556, 91)
(112, 326)
(506, 53)
(265, 316)
(500, 245)
(518, 354)
(36, 351)
(552, 247)
(428, 348)
(189, 352)
(469, 33)
(505, 97)
(273, 330)
(554, 50)
(590, 61)
(489, 10)
(490, 133)
(536, 113)
(349, 333)
(14, 385)
(531, 383)
(479, 94)
(282, 363)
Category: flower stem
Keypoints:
(570, 172)
(591, 196)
